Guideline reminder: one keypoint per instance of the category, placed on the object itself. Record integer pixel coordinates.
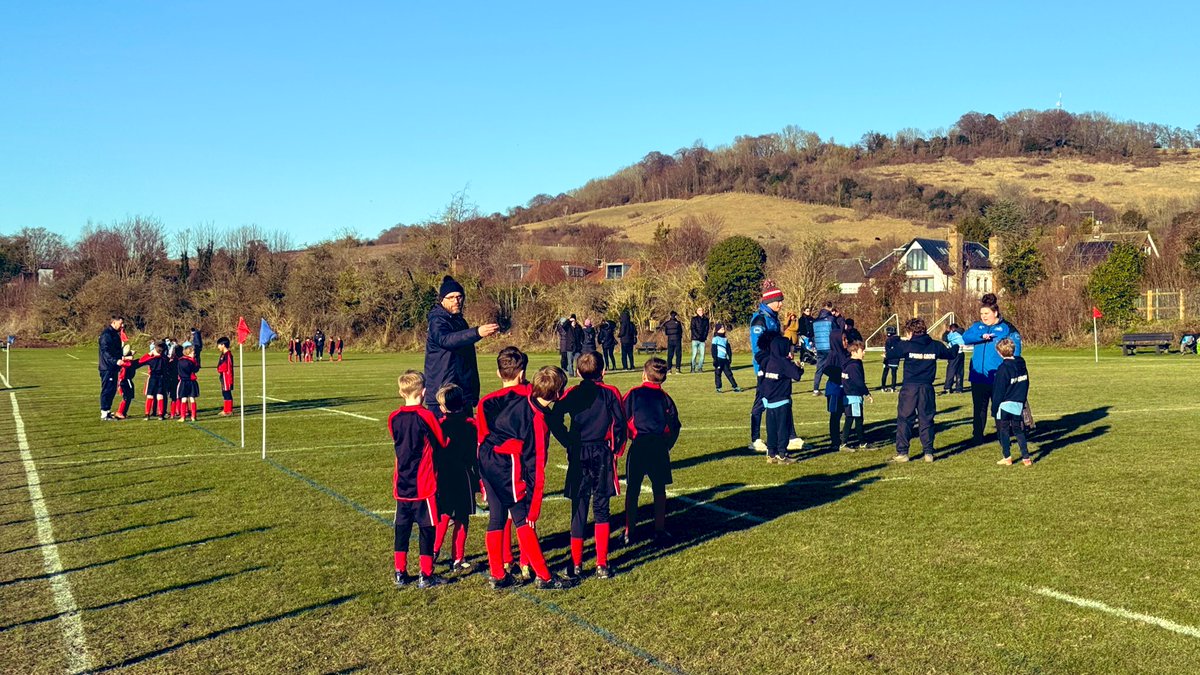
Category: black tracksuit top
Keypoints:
(776, 371)
(1011, 383)
(854, 378)
(651, 414)
(920, 354)
(597, 416)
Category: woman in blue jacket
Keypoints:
(984, 334)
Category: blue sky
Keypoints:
(314, 117)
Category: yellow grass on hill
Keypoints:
(757, 216)
(1073, 181)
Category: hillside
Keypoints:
(1120, 186)
(754, 215)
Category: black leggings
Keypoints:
(981, 402)
(722, 366)
(888, 368)
(1014, 425)
(835, 429)
(854, 424)
(579, 510)
(610, 361)
(406, 514)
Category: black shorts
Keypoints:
(649, 458)
(456, 494)
(423, 512)
(593, 472)
(154, 387)
(187, 389)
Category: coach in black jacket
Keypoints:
(450, 347)
(110, 364)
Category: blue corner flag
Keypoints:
(265, 334)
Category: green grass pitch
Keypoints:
(185, 552)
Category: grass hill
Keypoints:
(1120, 186)
(749, 214)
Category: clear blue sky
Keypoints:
(310, 117)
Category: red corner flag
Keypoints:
(243, 330)
(1096, 313)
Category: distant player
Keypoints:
(1010, 395)
(188, 388)
(156, 366)
(855, 396)
(225, 375)
(457, 472)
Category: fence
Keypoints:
(1156, 305)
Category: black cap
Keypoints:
(449, 285)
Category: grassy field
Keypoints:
(748, 214)
(186, 553)
(1120, 186)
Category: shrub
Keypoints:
(1113, 285)
(734, 276)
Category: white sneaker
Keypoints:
(796, 444)
(759, 445)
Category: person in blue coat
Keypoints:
(984, 334)
(450, 347)
(822, 327)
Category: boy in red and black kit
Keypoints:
(595, 441)
(653, 422)
(457, 473)
(225, 374)
(511, 363)
(188, 389)
(125, 381)
(156, 365)
(512, 462)
(416, 436)
(293, 349)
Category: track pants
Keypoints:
(917, 403)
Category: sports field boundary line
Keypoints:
(340, 412)
(74, 638)
(214, 434)
(73, 356)
(551, 607)
(1190, 631)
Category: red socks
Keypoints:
(426, 565)
(495, 542)
(227, 408)
(161, 405)
(193, 411)
(149, 406)
(577, 550)
(460, 541)
(440, 533)
(506, 550)
(602, 544)
(401, 560)
(121, 409)
(531, 550)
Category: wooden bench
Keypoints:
(650, 348)
(1160, 341)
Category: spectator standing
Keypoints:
(699, 331)
(672, 328)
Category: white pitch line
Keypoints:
(73, 356)
(1190, 631)
(340, 412)
(78, 660)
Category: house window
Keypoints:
(517, 271)
(574, 272)
(919, 285)
(917, 260)
(614, 271)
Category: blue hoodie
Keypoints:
(986, 359)
(763, 320)
(822, 326)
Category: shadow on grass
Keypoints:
(1049, 435)
(125, 601)
(702, 516)
(140, 554)
(109, 533)
(134, 660)
(305, 404)
(102, 507)
(106, 488)
(111, 473)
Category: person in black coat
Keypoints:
(589, 337)
(197, 345)
(917, 400)
(806, 323)
(672, 328)
(607, 336)
(570, 343)
(1010, 395)
(319, 341)
(699, 332)
(628, 335)
(109, 363)
(450, 347)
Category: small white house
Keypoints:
(939, 265)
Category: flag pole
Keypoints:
(1096, 337)
(264, 401)
(242, 386)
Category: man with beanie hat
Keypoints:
(450, 346)
(764, 319)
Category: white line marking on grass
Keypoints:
(340, 412)
(215, 455)
(1190, 631)
(73, 356)
(78, 660)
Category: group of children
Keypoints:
(310, 349)
(444, 458)
(172, 382)
(846, 390)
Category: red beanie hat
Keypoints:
(771, 292)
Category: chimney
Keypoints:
(955, 239)
(995, 255)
